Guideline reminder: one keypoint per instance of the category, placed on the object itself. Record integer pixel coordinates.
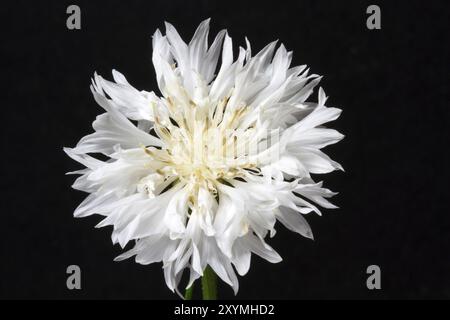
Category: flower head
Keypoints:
(199, 175)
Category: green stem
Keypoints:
(189, 292)
(209, 284)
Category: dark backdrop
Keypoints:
(391, 83)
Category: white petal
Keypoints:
(315, 161)
(263, 250)
(176, 212)
(111, 129)
(241, 258)
(317, 138)
(294, 221)
(91, 204)
(132, 103)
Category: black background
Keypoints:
(391, 83)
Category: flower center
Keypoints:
(203, 144)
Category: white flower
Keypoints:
(204, 172)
